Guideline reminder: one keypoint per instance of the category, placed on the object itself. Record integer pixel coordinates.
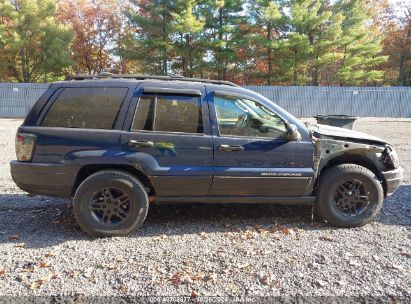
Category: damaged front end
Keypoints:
(335, 146)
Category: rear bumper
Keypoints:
(393, 179)
(44, 178)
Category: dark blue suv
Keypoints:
(115, 144)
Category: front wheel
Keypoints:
(349, 195)
(110, 203)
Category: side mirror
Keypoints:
(292, 132)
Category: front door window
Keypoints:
(244, 117)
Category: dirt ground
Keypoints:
(237, 252)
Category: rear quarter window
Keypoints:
(90, 108)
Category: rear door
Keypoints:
(167, 133)
(252, 156)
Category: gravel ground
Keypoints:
(206, 250)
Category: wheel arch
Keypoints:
(356, 159)
(88, 170)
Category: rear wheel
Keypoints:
(349, 195)
(110, 203)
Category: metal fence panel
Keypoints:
(13, 112)
(357, 101)
(16, 99)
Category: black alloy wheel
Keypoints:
(110, 206)
(110, 203)
(351, 198)
(349, 195)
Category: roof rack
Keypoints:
(106, 75)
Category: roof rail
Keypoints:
(106, 75)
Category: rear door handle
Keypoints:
(140, 143)
(231, 148)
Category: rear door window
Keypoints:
(169, 113)
(90, 108)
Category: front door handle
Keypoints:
(231, 148)
(140, 143)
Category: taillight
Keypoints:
(25, 146)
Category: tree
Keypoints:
(397, 45)
(188, 46)
(361, 46)
(313, 41)
(404, 43)
(96, 23)
(222, 24)
(267, 17)
(250, 62)
(150, 40)
(294, 54)
(33, 45)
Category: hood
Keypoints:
(342, 133)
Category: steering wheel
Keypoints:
(241, 122)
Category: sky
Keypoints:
(401, 6)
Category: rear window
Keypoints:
(90, 108)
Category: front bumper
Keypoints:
(44, 178)
(393, 180)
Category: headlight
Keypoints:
(391, 158)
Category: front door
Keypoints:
(252, 156)
(169, 137)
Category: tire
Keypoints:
(355, 207)
(110, 203)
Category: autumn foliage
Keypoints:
(266, 42)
